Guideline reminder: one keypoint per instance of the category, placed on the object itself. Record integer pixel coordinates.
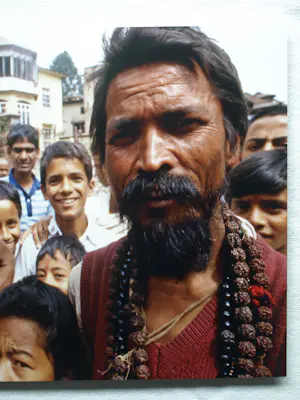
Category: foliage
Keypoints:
(72, 83)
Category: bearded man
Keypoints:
(188, 293)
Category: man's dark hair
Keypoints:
(264, 172)
(51, 309)
(9, 192)
(19, 132)
(68, 246)
(69, 150)
(280, 109)
(133, 47)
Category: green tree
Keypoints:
(72, 83)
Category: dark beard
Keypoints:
(165, 249)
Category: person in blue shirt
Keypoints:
(23, 150)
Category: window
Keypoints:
(5, 66)
(47, 135)
(24, 112)
(2, 108)
(23, 69)
(17, 67)
(81, 110)
(46, 97)
(29, 69)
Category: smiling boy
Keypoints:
(66, 181)
(10, 214)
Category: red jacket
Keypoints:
(193, 353)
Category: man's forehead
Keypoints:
(269, 125)
(174, 81)
(23, 143)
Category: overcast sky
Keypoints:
(254, 37)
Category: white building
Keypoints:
(29, 94)
(74, 121)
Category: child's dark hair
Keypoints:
(19, 132)
(69, 150)
(264, 172)
(9, 192)
(69, 246)
(51, 309)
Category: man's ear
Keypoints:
(8, 149)
(38, 152)
(233, 156)
(91, 186)
(44, 192)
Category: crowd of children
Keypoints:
(38, 328)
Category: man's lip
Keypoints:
(265, 235)
(159, 202)
(68, 201)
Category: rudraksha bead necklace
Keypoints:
(245, 311)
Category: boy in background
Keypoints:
(23, 151)
(56, 259)
(66, 180)
(10, 214)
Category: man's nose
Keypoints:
(4, 233)
(256, 217)
(23, 154)
(66, 186)
(153, 152)
(51, 281)
(268, 146)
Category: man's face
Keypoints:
(55, 271)
(23, 355)
(162, 116)
(23, 155)
(67, 187)
(9, 224)
(268, 214)
(3, 168)
(266, 133)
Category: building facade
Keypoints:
(29, 94)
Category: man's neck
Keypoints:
(24, 179)
(167, 298)
(75, 227)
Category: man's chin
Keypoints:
(172, 250)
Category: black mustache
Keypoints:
(165, 186)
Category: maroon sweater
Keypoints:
(193, 353)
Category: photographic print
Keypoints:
(143, 204)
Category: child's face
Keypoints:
(9, 224)
(55, 271)
(67, 187)
(23, 357)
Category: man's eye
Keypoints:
(53, 181)
(59, 276)
(77, 179)
(273, 207)
(241, 206)
(11, 223)
(182, 125)
(123, 138)
(21, 364)
(254, 147)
